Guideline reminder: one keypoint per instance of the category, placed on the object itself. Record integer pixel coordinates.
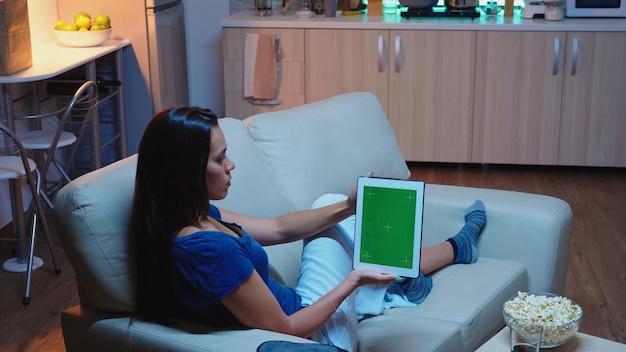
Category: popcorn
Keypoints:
(558, 315)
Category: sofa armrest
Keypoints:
(528, 228)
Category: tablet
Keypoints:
(388, 231)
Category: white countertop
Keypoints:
(247, 19)
(53, 58)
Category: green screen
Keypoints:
(388, 226)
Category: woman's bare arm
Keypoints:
(292, 226)
(253, 304)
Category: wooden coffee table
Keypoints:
(579, 343)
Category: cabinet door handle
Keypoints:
(555, 57)
(397, 48)
(381, 51)
(575, 55)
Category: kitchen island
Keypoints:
(490, 90)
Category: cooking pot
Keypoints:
(461, 4)
(418, 4)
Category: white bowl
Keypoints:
(83, 39)
(305, 14)
(540, 308)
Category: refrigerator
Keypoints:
(155, 72)
(167, 53)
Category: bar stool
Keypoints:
(15, 166)
(64, 131)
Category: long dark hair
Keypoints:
(170, 193)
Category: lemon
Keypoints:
(83, 22)
(103, 20)
(58, 25)
(96, 27)
(81, 14)
(70, 27)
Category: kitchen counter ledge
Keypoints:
(247, 19)
(53, 58)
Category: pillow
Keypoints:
(253, 189)
(323, 147)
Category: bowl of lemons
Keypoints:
(84, 31)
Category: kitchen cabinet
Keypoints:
(423, 80)
(518, 86)
(431, 93)
(342, 61)
(487, 91)
(550, 98)
(292, 82)
(593, 119)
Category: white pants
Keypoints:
(326, 261)
(319, 275)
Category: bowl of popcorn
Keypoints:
(559, 316)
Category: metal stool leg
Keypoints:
(37, 213)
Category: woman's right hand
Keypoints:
(370, 277)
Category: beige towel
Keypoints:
(249, 57)
(265, 68)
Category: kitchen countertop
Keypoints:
(247, 19)
(53, 58)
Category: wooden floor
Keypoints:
(596, 276)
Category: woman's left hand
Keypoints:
(353, 194)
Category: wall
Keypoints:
(41, 15)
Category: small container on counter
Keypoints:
(555, 11)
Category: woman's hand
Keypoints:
(352, 199)
(353, 194)
(371, 277)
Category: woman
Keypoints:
(207, 264)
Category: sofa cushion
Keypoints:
(401, 333)
(472, 297)
(323, 147)
(87, 330)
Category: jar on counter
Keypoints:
(318, 8)
(555, 11)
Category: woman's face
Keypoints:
(218, 167)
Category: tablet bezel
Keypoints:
(419, 188)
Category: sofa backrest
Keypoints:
(323, 147)
(284, 160)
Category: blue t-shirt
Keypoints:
(209, 265)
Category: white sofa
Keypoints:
(285, 160)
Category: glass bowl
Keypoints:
(83, 39)
(559, 316)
